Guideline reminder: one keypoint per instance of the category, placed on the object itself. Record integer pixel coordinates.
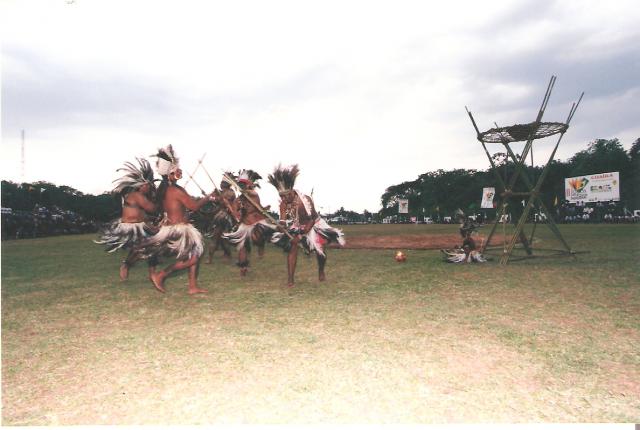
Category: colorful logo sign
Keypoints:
(578, 184)
(600, 187)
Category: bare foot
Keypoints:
(197, 291)
(321, 278)
(124, 272)
(290, 285)
(243, 271)
(157, 280)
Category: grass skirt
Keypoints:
(123, 235)
(457, 255)
(241, 236)
(182, 240)
(315, 240)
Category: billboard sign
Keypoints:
(403, 206)
(601, 187)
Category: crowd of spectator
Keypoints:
(566, 213)
(595, 212)
(43, 221)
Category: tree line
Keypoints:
(26, 196)
(439, 193)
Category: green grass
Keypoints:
(542, 340)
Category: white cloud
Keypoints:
(362, 95)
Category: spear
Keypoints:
(195, 170)
(257, 206)
(224, 200)
(204, 193)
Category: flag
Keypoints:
(487, 197)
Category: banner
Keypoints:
(487, 198)
(403, 206)
(602, 187)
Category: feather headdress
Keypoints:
(167, 161)
(225, 182)
(249, 176)
(284, 178)
(134, 177)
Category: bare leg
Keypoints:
(124, 271)
(258, 240)
(153, 264)
(220, 242)
(225, 246)
(134, 255)
(193, 280)
(321, 262)
(292, 259)
(212, 248)
(152, 270)
(158, 277)
(243, 261)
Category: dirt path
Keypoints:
(411, 241)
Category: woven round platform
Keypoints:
(520, 132)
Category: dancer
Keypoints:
(223, 220)
(253, 226)
(176, 235)
(299, 216)
(136, 188)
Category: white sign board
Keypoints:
(403, 206)
(487, 198)
(601, 187)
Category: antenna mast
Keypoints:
(22, 159)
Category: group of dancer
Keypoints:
(156, 221)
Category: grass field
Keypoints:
(543, 340)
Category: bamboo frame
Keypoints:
(533, 193)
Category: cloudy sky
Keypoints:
(362, 94)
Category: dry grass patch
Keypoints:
(379, 342)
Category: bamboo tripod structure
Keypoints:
(524, 133)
